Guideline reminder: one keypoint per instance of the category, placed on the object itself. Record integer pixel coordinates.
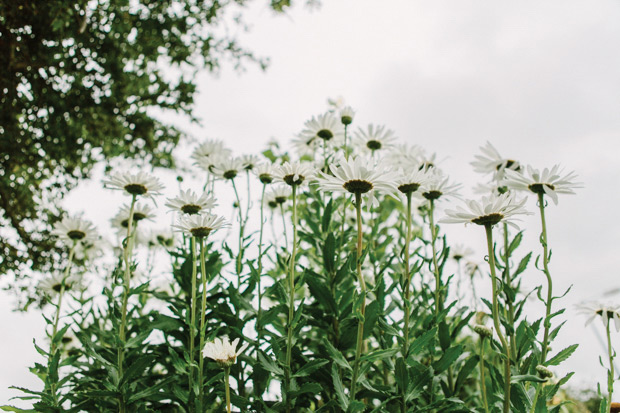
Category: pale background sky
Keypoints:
(540, 80)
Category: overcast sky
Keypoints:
(540, 80)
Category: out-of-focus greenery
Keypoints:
(77, 79)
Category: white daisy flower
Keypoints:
(439, 186)
(208, 163)
(295, 173)
(265, 172)
(305, 145)
(188, 202)
(53, 284)
(277, 196)
(357, 176)
(249, 162)
(496, 188)
(460, 251)
(409, 181)
(490, 161)
(213, 147)
(489, 211)
(374, 138)
(325, 127)
(346, 115)
(75, 229)
(140, 184)
(227, 167)
(140, 212)
(200, 226)
(606, 311)
(405, 156)
(549, 182)
(223, 351)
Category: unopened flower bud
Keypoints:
(483, 331)
(544, 372)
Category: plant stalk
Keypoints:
(291, 313)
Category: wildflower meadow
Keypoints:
(330, 286)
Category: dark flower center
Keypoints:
(76, 235)
(290, 179)
(373, 145)
(272, 204)
(426, 165)
(136, 189)
(610, 314)
(502, 189)
(408, 188)
(191, 209)
(280, 199)
(457, 257)
(432, 195)
(490, 219)
(509, 164)
(138, 216)
(357, 186)
(230, 174)
(57, 287)
(325, 134)
(346, 120)
(66, 340)
(200, 232)
(539, 188)
(265, 178)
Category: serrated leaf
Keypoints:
(449, 356)
(310, 367)
(343, 400)
(562, 355)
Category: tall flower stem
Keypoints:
(438, 298)
(346, 149)
(611, 354)
(483, 386)
(53, 347)
(509, 299)
(360, 278)
(239, 264)
(259, 315)
(203, 309)
(125, 298)
(284, 226)
(543, 241)
(291, 308)
(227, 384)
(496, 322)
(192, 322)
(407, 295)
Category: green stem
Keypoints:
(259, 316)
(543, 241)
(611, 354)
(509, 301)
(291, 312)
(125, 298)
(227, 382)
(360, 278)
(203, 309)
(407, 295)
(284, 226)
(346, 150)
(438, 298)
(483, 387)
(241, 231)
(496, 322)
(192, 323)
(57, 318)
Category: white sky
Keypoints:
(540, 80)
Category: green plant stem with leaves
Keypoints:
(438, 294)
(259, 315)
(239, 264)
(483, 386)
(192, 317)
(54, 341)
(291, 308)
(610, 373)
(203, 310)
(227, 385)
(284, 226)
(496, 322)
(125, 298)
(509, 296)
(407, 295)
(360, 278)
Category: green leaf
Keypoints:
(337, 356)
(401, 374)
(379, 354)
(137, 368)
(526, 377)
(270, 365)
(329, 249)
(449, 357)
(343, 400)
(444, 336)
(314, 388)
(310, 367)
(370, 317)
(421, 342)
(321, 292)
(523, 264)
(327, 216)
(465, 371)
(562, 355)
(7, 408)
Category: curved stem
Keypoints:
(543, 241)
(192, 323)
(611, 354)
(125, 298)
(483, 387)
(53, 347)
(360, 278)
(291, 312)
(496, 322)
(203, 309)
(509, 300)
